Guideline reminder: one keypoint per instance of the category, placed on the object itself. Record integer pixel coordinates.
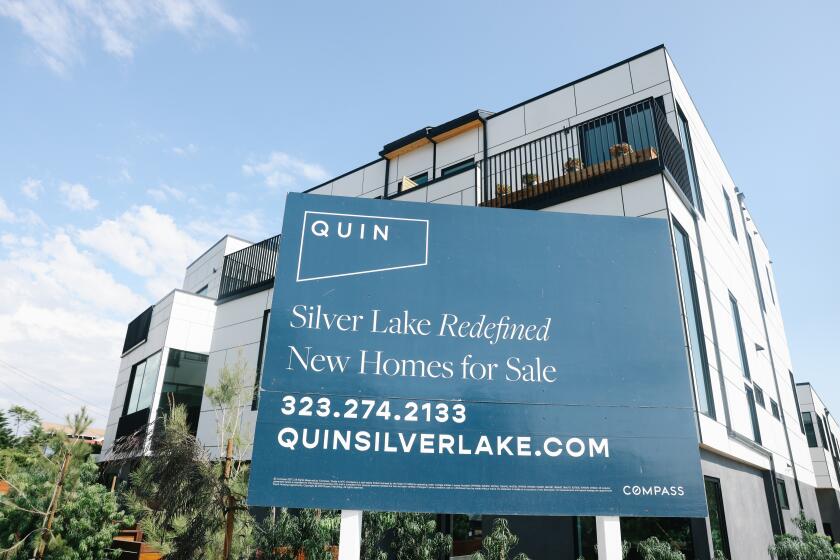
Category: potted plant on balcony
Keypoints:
(620, 150)
(502, 189)
(573, 165)
(530, 180)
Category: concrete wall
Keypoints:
(206, 270)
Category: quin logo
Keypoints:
(321, 228)
(334, 245)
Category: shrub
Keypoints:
(654, 549)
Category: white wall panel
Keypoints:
(550, 109)
(649, 70)
(603, 88)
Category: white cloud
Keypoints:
(77, 196)
(6, 214)
(59, 28)
(164, 192)
(285, 171)
(188, 150)
(32, 188)
(147, 243)
(62, 319)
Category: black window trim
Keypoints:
(458, 167)
(698, 319)
(691, 164)
(753, 413)
(255, 400)
(724, 532)
(730, 213)
(739, 334)
(782, 494)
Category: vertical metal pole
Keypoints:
(229, 500)
(350, 535)
(608, 531)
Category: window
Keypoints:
(774, 410)
(821, 426)
(770, 284)
(781, 492)
(717, 518)
(633, 125)
(142, 384)
(260, 360)
(759, 396)
(810, 435)
(183, 384)
(696, 338)
(685, 140)
(202, 291)
(731, 215)
(419, 179)
(753, 414)
(756, 279)
(796, 400)
(739, 333)
(457, 168)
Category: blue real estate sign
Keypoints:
(424, 357)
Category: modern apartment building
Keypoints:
(627, 141)
(821, 431)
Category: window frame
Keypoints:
(739, 335)
(705, 375)
(782, 494)
(812, 434)
(255, 400)
(759, 396)
(719, 512)
(132, 381)
(750, 394)
(730, 213)
(775, 410)
(458, 167)
(424, 175)
(684, 135)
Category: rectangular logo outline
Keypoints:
(303, 237)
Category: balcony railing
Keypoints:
(249, 269)
(618, 147)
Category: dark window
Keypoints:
(633, 125)
(142, 384)
(759, 396)
(755, 273)
(821, 426)
(202, 291)
(774, 409)
(457, 167)
(138, 330)
(781, 491)
(753, 414)
(260, 360)
(183, 384)
(696, 338)
(810, 435)
(728, 202)
(688, 148)
(770, 284)
(796, 400)
(717, 518)
(739, 333)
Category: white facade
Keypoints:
(753, 447)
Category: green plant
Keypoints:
(375, 524)
(572, 165)
(7, 438)
(502, 189)
(654, 549)
(809, 546)
(498, 544)
(719, 555)
(530, 179)
(285, 535)
(416, 537)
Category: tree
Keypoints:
(810, 546)
(309, 532)
(375, 524)
(7, 438)
(23, 417)
(654, 549)
(416, 537)
(498, 544)
(86, 517)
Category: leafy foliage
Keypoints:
(309, 532)
(416, 537)
(87, 516)
(7, 438)
(654, 549)
(810, 546)
(375, 524)
(498, 544)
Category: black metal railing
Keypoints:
(251, 268)
(634, 140)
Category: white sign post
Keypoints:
(350, 535)
(608, 531)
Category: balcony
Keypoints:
(613, 149)
(249, 270)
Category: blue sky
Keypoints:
(134, 134)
